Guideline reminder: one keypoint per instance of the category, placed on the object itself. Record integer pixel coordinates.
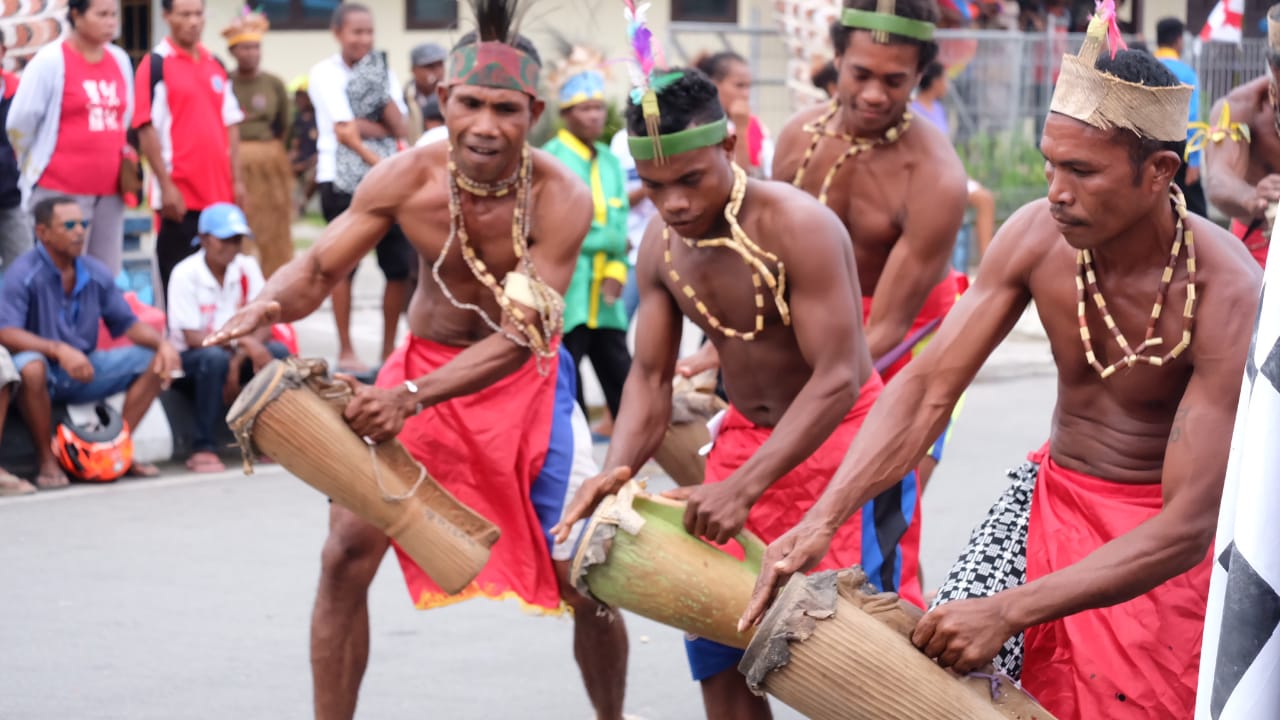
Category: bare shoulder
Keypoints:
(788, 213)
(1228, 276)
(936, 162)
(1246, 102)
(393, 181)
(1022, 244)
(559, 188)
(795, 124)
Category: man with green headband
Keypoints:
(481, 392)
(770, 278)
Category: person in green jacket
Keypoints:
(595, 321)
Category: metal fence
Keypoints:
(1001, 86)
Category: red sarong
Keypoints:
(1255, 242)
(486, 448)
(1134, 661)
(784, 504)
(936, 306)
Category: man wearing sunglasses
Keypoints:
(205, 290)
(54, 298)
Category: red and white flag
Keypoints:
(1225, 23)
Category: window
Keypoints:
(298, 14)
(430, 14)
(720, 11)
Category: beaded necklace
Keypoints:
(1087, 279)
(753, 255)
(819, 129)
(548, 307)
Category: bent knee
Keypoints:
(352, 554)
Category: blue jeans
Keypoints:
(631, 294)
(206, 369)
(113, 371)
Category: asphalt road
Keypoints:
(189, 597)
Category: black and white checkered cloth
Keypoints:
(996, 557)
(1240, 662)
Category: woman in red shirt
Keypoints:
(72, 123)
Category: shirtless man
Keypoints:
(1244, 169)
(517, 381)
(1099, 549)
(797, 371)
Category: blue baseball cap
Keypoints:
(222, 220)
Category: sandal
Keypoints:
(12, 486)
(205, 462)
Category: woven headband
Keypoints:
(694, 138)
(879, 22)
(495, 65)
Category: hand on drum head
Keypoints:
(965, 634)
(716, 512)
(374, 413)
(252, 316)
(584, 501)
(800, 549)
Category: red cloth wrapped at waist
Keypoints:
(486, 448)
(936, 306)
(1134, 661)
(1255, 242)
(786, 501)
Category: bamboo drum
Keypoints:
(292, 412)
(635, 554)
(834, 649)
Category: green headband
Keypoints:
(694, 138)
(886, 23)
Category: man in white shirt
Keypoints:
(337, 124)
(205, 290)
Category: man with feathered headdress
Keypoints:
(264, 164)
(769, 276)
(1242, 151)
(1088, 578)
(481, 392)
(595, 320)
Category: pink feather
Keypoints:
(1107, 9)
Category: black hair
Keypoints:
(690, 100)
(931, 75)
(1273, 60)
(82, 7)
(716, 65)
(519, 42)
(1169, 31)
(923, 10)
(44, 209)
(1141, 68)
(431, 109)
(824, 76)
(166, 5)
(344, 11)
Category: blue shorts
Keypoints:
(568, 462)
(113, 372)
(935, 451)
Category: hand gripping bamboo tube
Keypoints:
(635, 554)
(693, 403)
(292, 412)
(834, 648)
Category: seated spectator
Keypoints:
(433, 126)
(205, 290)
(302, 143)
(50, 307)
(11, 484)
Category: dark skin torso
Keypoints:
(869, 193)
(763, 376)
(423, 213)
(1242, 175)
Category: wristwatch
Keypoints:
(412, 387)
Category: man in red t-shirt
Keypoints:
(187, 121)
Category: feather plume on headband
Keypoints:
(646, 79)
(1106, 9)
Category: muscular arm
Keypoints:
(915, 407)
(1177, 538)
(825, 319)
(646, 396)
(16, 340)
(936, 199)
(302, 285)
(560, 224)
(1228, 163)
